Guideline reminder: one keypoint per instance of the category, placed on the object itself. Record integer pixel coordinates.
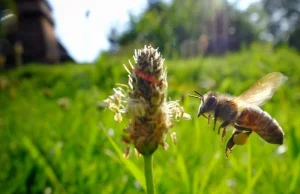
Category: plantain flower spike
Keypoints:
(143, 101)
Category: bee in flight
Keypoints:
(243, 112)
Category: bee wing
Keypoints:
(263, 89)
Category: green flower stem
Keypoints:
(148, 166)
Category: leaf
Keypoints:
(133, 169)
(183, 172)
(195, 183)
(296, 170)
(208, 173)
(254, 180)
(42, 161)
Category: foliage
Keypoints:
(171, 26)
(7, 4)
(283, 16)
(74, 146)
(284, 20)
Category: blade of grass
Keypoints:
(133, 169)
(294, 142)
(209, 171)
(195, 183)
(42, 161)
(183, 172)
(249, 166)
(224, 186)
(92, 141)
(234, 164)
(253, 181)
(293, 184)
(18, 181)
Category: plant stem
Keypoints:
(148, 166)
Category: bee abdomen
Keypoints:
(262, 124)
(271, 132)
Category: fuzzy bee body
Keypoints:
(261, 123)
(243, 112)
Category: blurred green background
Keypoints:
(56, 136)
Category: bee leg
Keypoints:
(216, 115)
(223, 135)
(240, 128)
(223, 125)
(215, 122)
(227, 120)
(208, 119)
(230, 143)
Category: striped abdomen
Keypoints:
(261, 123)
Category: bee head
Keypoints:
(208, 102)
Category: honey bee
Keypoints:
(243, 112)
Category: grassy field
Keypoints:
(55, 138)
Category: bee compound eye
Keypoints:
(211, 101)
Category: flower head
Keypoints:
(143, 100)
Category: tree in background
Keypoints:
(7, 29)
(6, 6)
(284, 20)
(189, 28)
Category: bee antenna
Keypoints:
(194, 96)
(199, 97)
(198, 93)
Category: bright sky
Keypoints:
(85, 37)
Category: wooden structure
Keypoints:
(34, 39)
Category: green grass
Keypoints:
(76, 147)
